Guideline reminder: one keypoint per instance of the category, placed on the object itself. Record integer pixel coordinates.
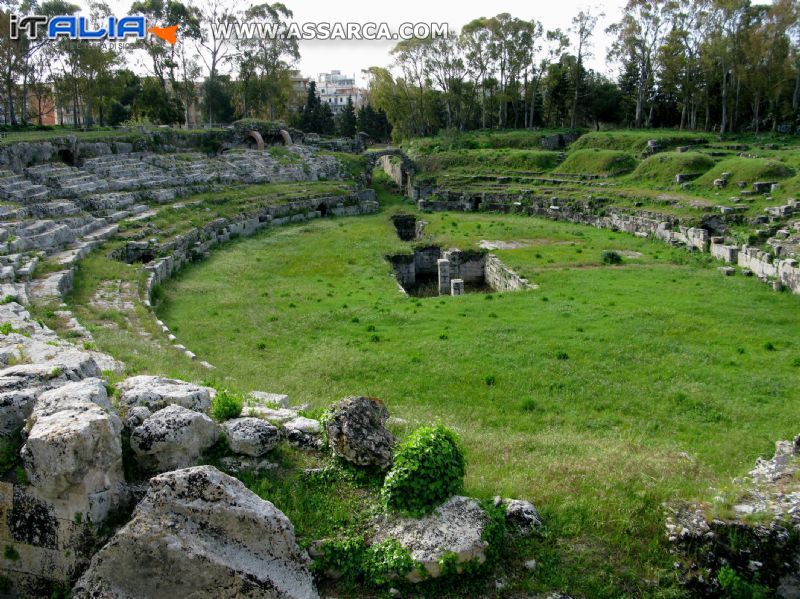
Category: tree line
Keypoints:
(721, 65)
(228, 79)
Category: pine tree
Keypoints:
(324, 119)
(309, 115)
(347, 120)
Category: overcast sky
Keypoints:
(352, 56)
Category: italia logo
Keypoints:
(78, 28)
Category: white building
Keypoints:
(334, 89)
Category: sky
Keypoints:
(351, 57)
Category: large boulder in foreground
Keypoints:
(250, 436)
(200, 533)
(454, 528)
(173, 437)
(356, 432)
(74, 448)
(155, 393)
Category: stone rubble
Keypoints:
(765, 521)
(454, 528)
(250, 436)
(357, 433)
(200, 533)
(173, 437)
(155, 393)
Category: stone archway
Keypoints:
(67, 156)
(286, 137)
(254, 136)
(407, 167)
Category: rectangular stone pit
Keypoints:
(430, 272)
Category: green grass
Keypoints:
(748, 170)
(661, 168)
(614, 388)
(597, 162)
(131, 336)
(200, 209)
(636, 141)
(95, 134)
(475, 140)
(535, 161)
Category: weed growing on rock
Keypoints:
(226, 405)
(428, 468)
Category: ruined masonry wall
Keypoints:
(785, 271)
(198, 242)
(501, 278)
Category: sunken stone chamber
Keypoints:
(407, 226)
(429, 271)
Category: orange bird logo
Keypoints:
(168, 34)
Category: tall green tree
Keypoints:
(346, 119)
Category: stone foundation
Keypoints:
(429, 271)
(785, 272)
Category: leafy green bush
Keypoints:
(226, 405)
(386, 561)
(10, 553)
(735, 587)
(352, 560)
(428, 468)
(611, 257)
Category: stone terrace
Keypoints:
(60, 212)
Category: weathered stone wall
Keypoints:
(758, 261)
(721, 251)
(404, 269)
(501, 278)
(394, 168)
(426, 260)
(198, 242)
(72, 455)
(643, 224)
(466, 265)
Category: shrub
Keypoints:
(226, 405)
(353, 561)
(10, 553)
(428, 468)
(735, 587)
(387, 561)
(611, 257)
(9, 452)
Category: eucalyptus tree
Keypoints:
(265, 62)
(444, 63)
(479, 61)
(214, 49)
(532, 47)
(411, 58)
(638, 35)
(679, 57)
(583, 25)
